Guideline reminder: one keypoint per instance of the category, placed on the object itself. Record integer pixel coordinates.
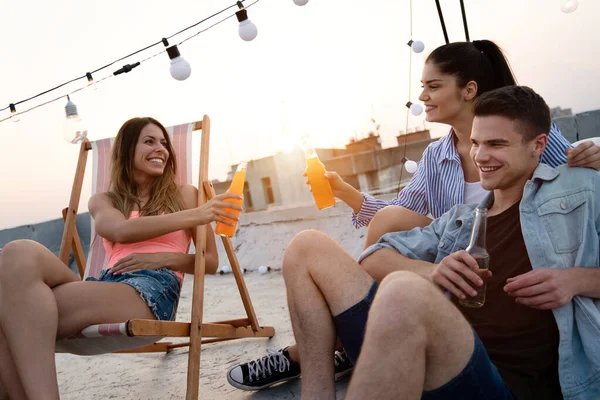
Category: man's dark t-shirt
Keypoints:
(521, 341)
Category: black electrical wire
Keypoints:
(123, 58)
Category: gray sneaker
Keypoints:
(343, 366)
(277, 367)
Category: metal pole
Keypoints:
(464, 17)
(439, 9)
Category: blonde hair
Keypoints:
(163, 196)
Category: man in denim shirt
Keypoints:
(536, 337)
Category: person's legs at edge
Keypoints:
(415, 341)
(8, 372)
(393, 219)
(321, 280)
(282, 366)
(41, 299)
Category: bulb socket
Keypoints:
(89, 77)
(408, 104)
(70, 109)
(173, 52)
(410, 42)
(242, 15)
(12, 107)
(165, 42)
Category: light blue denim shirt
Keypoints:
(560, 221)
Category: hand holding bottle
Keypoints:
(458, 273)
(319, 185)
(226, 228)
(219, 209)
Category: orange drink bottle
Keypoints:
(319, 185)
(237, 187)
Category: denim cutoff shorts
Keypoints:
(158, 288)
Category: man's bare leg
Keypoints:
(322, 281)
(416, 340)
(393, 219)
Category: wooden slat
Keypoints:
(204, 341)
(223, 331)
(193, 375)
(76, 247)
(234, 322)
(67, 238)
(235, 268)
(161, 347)
(151, 327)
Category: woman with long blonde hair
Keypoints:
(146, 222)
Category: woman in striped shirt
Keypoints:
(453, 76)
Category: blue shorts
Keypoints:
(479, 380)
(158, 288)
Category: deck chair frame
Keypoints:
(196, 329)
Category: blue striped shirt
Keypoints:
(438, 184)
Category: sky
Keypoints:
(323, 69)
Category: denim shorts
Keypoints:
(479, 380)
(158, 288)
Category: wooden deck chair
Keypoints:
(139, 335)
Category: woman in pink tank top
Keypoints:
(146, 222)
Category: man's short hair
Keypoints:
(517, 103)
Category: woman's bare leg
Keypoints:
(35, 289)
(8, 372)
(393, 219)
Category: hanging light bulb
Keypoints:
(74, 130)
(409, 165)
(180, 68)
(247, 30)
(300, 2)
(417, 46)
(568, 6)
(13, 111)
(415, 108)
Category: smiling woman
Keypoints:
(454, 76)
(146, 222)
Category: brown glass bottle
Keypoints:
(477, 249)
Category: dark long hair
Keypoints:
(481, 61)
(164, 196)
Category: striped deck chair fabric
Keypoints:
(108, 338)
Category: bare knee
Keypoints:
(302, 245)
(19, 261)
(386, 217)
(384, 221)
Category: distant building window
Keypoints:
(247, 197)
(268, 189)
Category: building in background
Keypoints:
(277, 181)
(558, 112)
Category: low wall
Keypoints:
(260, 239)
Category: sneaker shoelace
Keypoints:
(274, 361)
(339, 358)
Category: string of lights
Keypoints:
(180, 69)
(416, 109)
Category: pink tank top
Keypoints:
(174, 242)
